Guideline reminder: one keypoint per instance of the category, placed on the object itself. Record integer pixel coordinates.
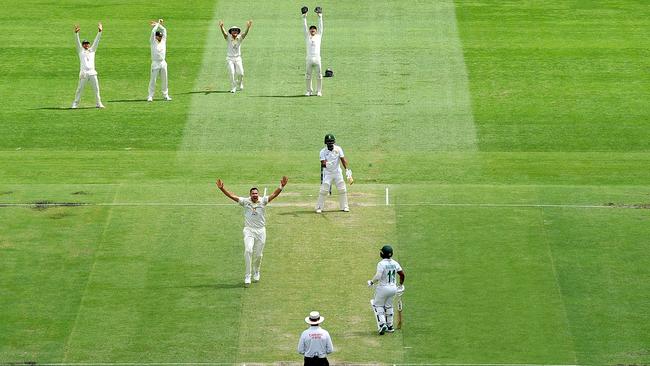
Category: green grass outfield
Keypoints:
(513, 136)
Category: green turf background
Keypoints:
(509, 104)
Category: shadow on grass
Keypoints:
(206, 92)
(280, 96)
(60, 108)
(297, 213)
(216, 286)
(127, 101)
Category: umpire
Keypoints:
(315, 342)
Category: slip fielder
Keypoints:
(234, 62)
(87, 72)
(158, 42)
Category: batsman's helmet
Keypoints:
(386, 251)
(330, 138)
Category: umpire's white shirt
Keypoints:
(387, 272)
(315, 341)
(87, 56)
(254, 212)
(158, 49)
(234, 46)
(333, 157)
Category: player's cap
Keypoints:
(158, 34)
(386, 251)
(234, 27)
(314, 318)
(85, 41)
(329, 137)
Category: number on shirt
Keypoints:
(391, 276)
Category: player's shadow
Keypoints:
(59, 108)
(216, 286)
(296, 213)
(127, 101)
(280, 96)
(208, 92)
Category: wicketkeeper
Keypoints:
(330, 156)
(313, 36)
(386, 276)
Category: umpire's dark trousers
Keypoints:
(316, 361)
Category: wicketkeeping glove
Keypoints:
(370, 283)
(318, 10)
(304, 10)
(348, 174)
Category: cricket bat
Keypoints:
(321, 178)
(399, 312)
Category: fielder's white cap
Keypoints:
(233, 28)
(314, 318)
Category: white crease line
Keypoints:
(309, 204)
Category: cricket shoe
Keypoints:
(101, 106)
(150, 99)
(168, 98)
(256, 277)
(308, 94)
(241, 86)
(74, 106)
(233, 90)
(382, 329)
(346, 210)
(318, 210)
(390, 329)
(247, 280)
(319, 94)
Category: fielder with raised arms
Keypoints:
(386, 277)
(87, 72)
(330, 156)
(234, 62)
(313, 36)
(158, 41)
(254, 226)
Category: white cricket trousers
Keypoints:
(236, 71)
(383, 304)
(158, 68)
(94, 82)
(312, 63)
(337, 177)
(254, 240)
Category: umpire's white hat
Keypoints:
(314, 318)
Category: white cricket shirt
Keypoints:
(315, 341)
(333, 157)
(254, 211)
(387, 272)
(313, 42)
(87, 56)
(234, 46)
(158, 49)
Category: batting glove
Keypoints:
(400, 290)
(348, 174)
(370, 283)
